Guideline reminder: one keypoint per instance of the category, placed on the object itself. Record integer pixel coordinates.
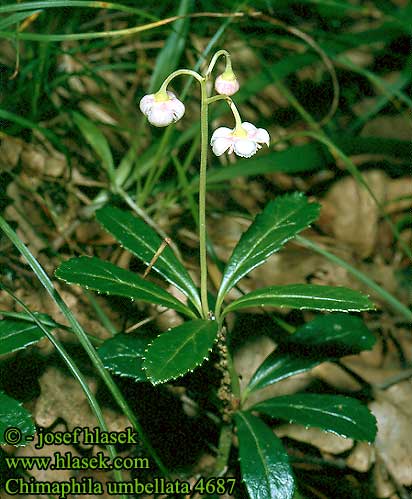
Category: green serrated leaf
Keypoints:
(16, 335)
(327, 337)
(263, 461)
(334, 334)
(97, 141)
(304, 296)
(344, 416)
(14, 415)
(124, 355)
(141, 240)
(104, 277)
(279, 366)
(280, 221)
(180, 350)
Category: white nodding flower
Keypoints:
(243, 141)
(162, 108)
(226, 83)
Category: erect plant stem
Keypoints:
(204, 138)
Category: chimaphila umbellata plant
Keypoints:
(264, 463)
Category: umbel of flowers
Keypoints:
(164, 108)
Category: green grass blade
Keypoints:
(168, 59)
(16, 18)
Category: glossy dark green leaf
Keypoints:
(327, 337)
(263, 460)
(14, 415)
(280, 221)
(104, 277)
(344, 416)
(124, 355)
(16, 335)
(335, 334)
(141, 240)
(304, 296)
(180, 350)
(278, 366)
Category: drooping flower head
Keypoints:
(244, 141)
(226, 83)
(162, 108)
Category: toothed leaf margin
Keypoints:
(180, 350)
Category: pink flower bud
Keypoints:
(226, 83)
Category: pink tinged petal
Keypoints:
(262, 136)
(245, 148)
(258, 134)
(250, 128)
(221, 145)
(221, 133)
(146, 103)
(178, 109)
(160, 117)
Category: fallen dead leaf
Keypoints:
(335, 376)
(62, 397)
(353, 214)
(324, 441)
(10, 150)
(362, 457)
(50, 475)
(393, 443)
(390, 127)
(384, 486)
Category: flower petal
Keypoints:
(146, 103)
(245, 148)
(221, 145)
(178, 109)
(221, 133)
(159, 116)
(249, 127)
(262, 136)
